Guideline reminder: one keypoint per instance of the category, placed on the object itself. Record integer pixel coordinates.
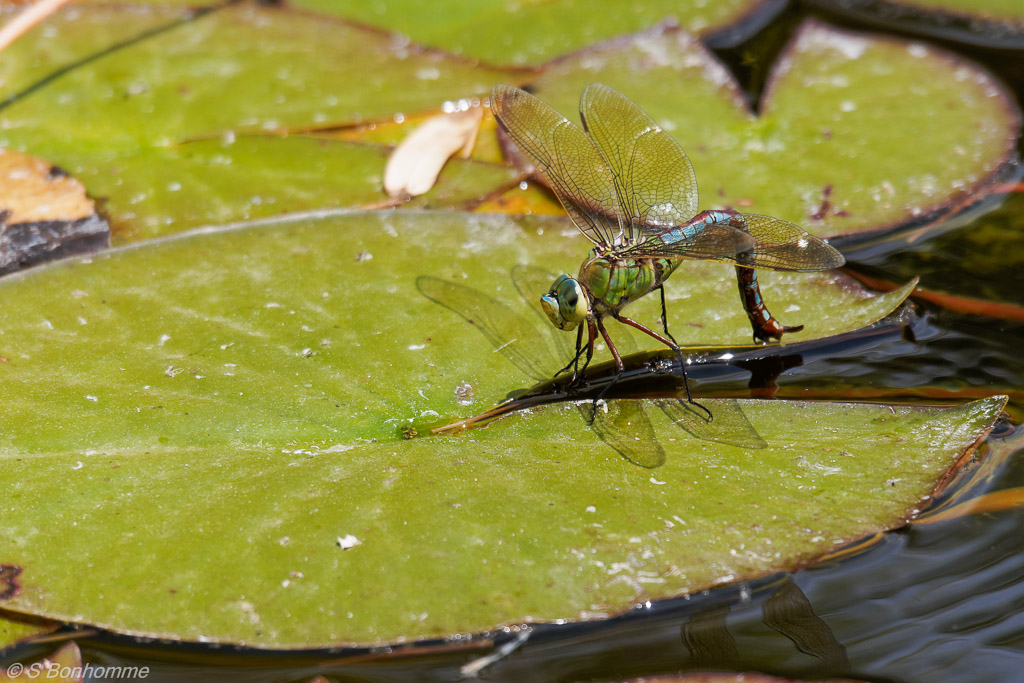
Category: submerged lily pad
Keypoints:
(15, 630)
(234, 398)
(172, 128)
(990, 23)
(835, 146)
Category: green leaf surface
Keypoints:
(507, 32)
(835, 146)
(164, 189)
(302, 301)
(173, 128)
(234, 398)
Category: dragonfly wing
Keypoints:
(654, 179)
(761, 242)
(625, 427)
(730, 425)
(709, 241)
(567, 158)
(515, 337)
(785, 246)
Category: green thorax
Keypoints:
(613, 283)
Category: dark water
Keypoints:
(929, 602)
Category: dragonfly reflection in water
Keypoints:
(631, 190)
(622, 424)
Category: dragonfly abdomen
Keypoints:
(765, 326)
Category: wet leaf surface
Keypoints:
(173, 410)
(223, 135)
(503, 32)
(168, 149)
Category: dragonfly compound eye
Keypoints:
(566, 303)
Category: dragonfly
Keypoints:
(629, 187)
(625, 425)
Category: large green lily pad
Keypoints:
(302, 305)
(234, 398)
(835, 146)
(504, 32)
(455, 534)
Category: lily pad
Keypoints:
(171, 126)
(164, 190)
(234, 397)
(15, 630)
(326, 275)
(835, 144)
(504, 32)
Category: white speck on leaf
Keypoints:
(348, 541)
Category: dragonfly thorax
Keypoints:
(566, 303)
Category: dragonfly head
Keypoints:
(566, 303)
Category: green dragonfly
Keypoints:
(631, 190)
(623, 425)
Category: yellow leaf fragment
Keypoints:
(32, 190)
(413, 167)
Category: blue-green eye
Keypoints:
(565, 304)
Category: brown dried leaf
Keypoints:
(33, 190)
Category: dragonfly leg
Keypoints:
(664, 315)
(619, 366)
(591, 335)
(575, 362)
(580, 348)
(766, 327)
(675, 347)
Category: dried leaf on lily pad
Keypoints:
(235, 399)
(414, 164)
(44, 213)
(834, 146)
(32, 190)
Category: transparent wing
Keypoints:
(518, 339)
(567, 158)
(709, 241)
(761, 242)
(654, 179)
(625, 427)
(785, 246)
(729, 426)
